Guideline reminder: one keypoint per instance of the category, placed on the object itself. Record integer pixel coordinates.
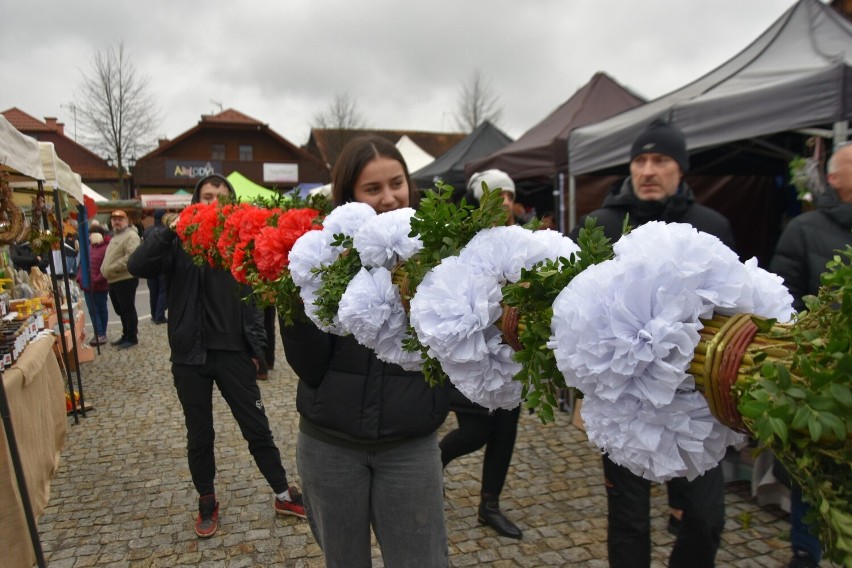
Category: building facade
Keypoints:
(224, 143)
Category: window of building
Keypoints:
(246, 152)
(217, 151)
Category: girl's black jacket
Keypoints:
(349, 395)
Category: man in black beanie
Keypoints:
(655, 191)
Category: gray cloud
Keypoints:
(403, 62)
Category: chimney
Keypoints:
(55, 126)
(162, 142)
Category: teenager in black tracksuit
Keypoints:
(215, 337)
(655, 192)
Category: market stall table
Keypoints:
(35, 392)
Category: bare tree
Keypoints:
(477, 103)
(116, 109)
(341, 114)
(341, 119)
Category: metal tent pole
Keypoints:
(57, 211)
(57, 302)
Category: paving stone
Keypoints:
(122, 496)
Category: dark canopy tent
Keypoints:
(538, 160)
(542, 151)
(745, 120)
(449, 166)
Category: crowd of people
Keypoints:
(367, 453)
(103, 274)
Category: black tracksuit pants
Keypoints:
(629, 535)
(234, 374)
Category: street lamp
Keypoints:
(131, 164)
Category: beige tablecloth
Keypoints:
(36, 397)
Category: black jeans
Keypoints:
(629, 535)
(496, 431)
(122, 294)
(235, 375)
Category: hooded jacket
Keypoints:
(808, 243)
(678, 208)
(199, 296)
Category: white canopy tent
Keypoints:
(56, 175)
(415, 156)
(88, 191)
(19, 154)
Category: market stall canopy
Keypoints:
(449, 166)
(91, 193)
(19, 154)
(90, 198)
(247, 189)
(795, 75)
(415, 156)
(57, 175)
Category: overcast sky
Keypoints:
(403, 62)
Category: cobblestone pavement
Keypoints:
(123, 495)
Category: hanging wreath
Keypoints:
(11, 216)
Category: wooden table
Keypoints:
(36, 395)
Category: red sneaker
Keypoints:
(208, 516)
(295, 506)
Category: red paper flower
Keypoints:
(240, 227)
(272, 245)
(198, 227)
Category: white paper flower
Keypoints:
(488, 380)
(501, 252)
(371, 310)
(452, 309)
(681, 439)
(308, 293)
(624, 332)
(554, 245)
(620, 328)
(770, 299)
(390, 349)
(348, 218)
(310, 251)
(383, 239)
(366, 305)
(711, 269)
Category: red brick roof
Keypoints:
(89, 165)
(229, 116)
(25, 122)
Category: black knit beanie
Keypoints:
(663, 138)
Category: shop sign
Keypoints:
(280, 173)
(191, 169)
